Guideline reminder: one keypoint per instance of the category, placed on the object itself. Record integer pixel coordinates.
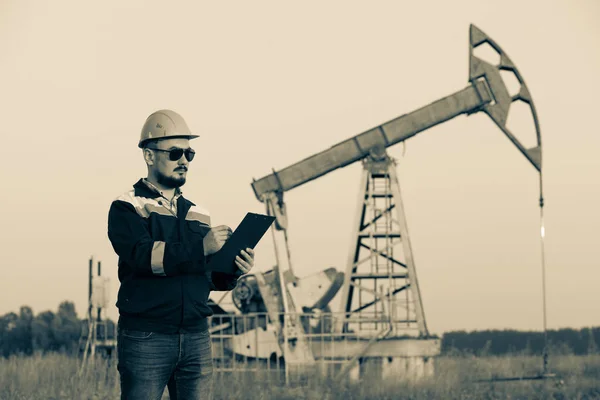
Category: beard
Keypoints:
(170, 181)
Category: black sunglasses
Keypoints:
(175, 154)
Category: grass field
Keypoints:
(55, 376)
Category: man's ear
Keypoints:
(148, 156)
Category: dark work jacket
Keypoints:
(164, 283)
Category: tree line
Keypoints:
(26, 333)
(499, 342)
(62, 331)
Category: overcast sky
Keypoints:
(267, 84)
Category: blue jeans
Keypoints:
(150, 361)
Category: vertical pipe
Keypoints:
(91, 330)
(91, 265)
(99, 307)
(542, 234)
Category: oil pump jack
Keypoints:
(380, 297)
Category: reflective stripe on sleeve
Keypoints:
(156, 260)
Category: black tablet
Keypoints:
(247, 234)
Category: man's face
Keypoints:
(169, 173)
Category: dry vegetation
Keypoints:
(56, 377)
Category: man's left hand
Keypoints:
(245, 261)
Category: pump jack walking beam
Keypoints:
(486, 92)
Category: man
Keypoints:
(164, 241)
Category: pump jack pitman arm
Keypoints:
(487, 92)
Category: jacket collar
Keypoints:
(144, 188)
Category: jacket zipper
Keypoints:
(181, 224)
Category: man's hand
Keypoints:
(247, 262)
(215, 239)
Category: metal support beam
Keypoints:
(468, 100)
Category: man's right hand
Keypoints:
(216, 238)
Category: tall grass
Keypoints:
(55, 376)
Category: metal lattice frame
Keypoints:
(380, 278)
